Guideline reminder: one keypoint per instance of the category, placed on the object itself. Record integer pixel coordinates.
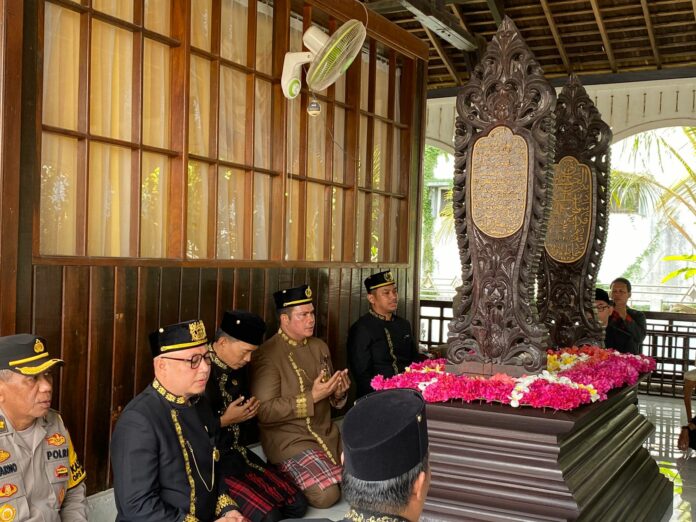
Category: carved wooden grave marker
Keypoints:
(578, 223)
(503, 152)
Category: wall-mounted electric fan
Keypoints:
(330, 56)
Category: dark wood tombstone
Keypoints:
(503, 153)
(577, 226)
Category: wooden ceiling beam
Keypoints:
(603, 33)
(556, 36)
(651, 33)
(441, 22)
(693, 4)
(444, 56)
(497, 10)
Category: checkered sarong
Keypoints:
(311, 468)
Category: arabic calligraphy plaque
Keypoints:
(499, 177)
(571, 211)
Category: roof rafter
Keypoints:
(651, 33)
(442, 53)
(603, 33)
(693, 2)
(556, 36)
(497, 10)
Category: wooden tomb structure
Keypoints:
(495, 462)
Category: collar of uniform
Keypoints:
(291, 342)
(361, 515)
(380, 316)
(216, 360)
(168, 396)
(7, 427)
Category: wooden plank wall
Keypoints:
(97, 318)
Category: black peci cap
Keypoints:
(243, 326)
(378, 280)
(385, 435)
(180, 336)
(601, 295)
(25, 354)
(293, 297)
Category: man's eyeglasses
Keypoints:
(601, 308)
(194, 361)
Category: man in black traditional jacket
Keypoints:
(380, 342)
(164, 448)
(262, 492)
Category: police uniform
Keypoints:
(296, 433)
(377, 345)
(257, 487)
(164, 448)
(41, 478)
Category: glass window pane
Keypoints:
(316, 144)
(154, 201)
(337, 224)
(262, 125)
(109, 201)
(379, 155)
(61, 66)
(296, 32)
(122, 9)
(397, 162)
(197, 203)
(199, 107)
(201, 12)
(382, 88)
(157, 15)
(293, 135)
(362, 159)
(364, 79)
(262, 215)
(395, 226)
(233, 34)
(264, 37)
(339, 145)
(156, 96)
(292, 239)
(360, 227)
(232, 120)
(58, 212)
(230, 213)
(314, 227)
(377, 228)
(111, 86)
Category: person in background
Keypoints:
(42, 477)
(164, 452)
(386, 475)
(603, 306)
(626, 327)
(292, 379)
(262, 493)
(380, 342)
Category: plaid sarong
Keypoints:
(312, 467)
(258, 493)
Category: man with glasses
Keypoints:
(380, 342)
(296, 388)
(603, 305)
(42, 478)
(164, 449)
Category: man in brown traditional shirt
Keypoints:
(291, 377)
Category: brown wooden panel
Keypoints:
(170, 292)
(47, 309)
(209, 299)
(148, 320)
(242, 284)
(320, 294)
(334, 335)
(225, 297)
(356, 285)
(190, 298)
(258, 291)
(101, 338)
(76, 314)
(272, 276)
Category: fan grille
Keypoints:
(336, 56)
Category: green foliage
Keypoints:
(430, 157)
(634, 270)
(688, 272)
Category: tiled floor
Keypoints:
(668, 416)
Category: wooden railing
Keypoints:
(671, 340)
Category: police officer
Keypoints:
(164, 448)
(41, 478)
(380, 342)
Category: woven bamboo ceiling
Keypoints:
(611, 38)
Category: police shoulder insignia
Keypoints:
(77, 472)
(7, 490)
(3, 425)
(39, 346)
(7, 512)
(57, 439)
(308, 292)
(4, 455)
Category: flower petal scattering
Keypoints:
(574, 376)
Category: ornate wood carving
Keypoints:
(579, 210)
(495, 325)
